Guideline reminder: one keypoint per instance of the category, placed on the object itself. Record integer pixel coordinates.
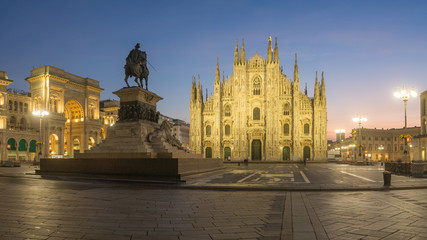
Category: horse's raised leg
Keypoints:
(126, 80)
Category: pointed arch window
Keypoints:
(257, 86)
(306, 128)
(227, 111)
(256, 114)
(208, 130)
(286, 129)
(286, 109)
(227, 130)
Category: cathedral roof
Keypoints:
(256, 60)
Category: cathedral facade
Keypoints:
(258, 113)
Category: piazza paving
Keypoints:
(274, 201)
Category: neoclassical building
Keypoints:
(258, 113)
(73, 124)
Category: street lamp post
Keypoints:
(405, 94)
(359, 120)
(40, 114)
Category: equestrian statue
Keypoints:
(136, 66)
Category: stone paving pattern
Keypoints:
(35, 208)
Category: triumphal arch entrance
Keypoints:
(72, 102)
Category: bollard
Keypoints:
(387, 178)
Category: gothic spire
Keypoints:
(276, 52)
(269, 51)
(296, 75)
(242, 52)
(322, 86)
(217, 77)
(199, 91)
(316, 88)
(236, 54)
(193, 88)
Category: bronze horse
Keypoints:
(136, 66)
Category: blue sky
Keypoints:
(367, 49)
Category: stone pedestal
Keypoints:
(136, 146)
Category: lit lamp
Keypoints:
(381, 148)
(405, 94)
(40, 114)
(360, 120)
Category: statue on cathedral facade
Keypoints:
(136, 66)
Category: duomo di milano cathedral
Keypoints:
(258, 113)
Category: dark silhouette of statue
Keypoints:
(136, 66)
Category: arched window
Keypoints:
(256, 114)
(15, 106)
(227, 111)
(12, 122)
(208, 130)
(286, 109)
(10, 105)
(22, 124)
(286, 129)
(257, 86)
(227, 130)
(55, 105)
(306, 128)
(21, 106)
(208, 152)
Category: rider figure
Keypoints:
(137, 62)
